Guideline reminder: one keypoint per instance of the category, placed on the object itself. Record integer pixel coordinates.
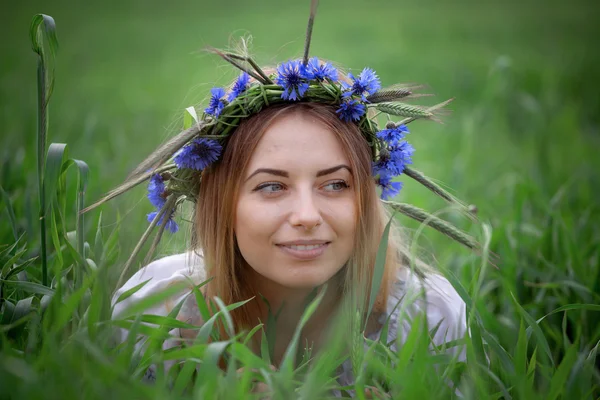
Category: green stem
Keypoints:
(79, 229)
(42, 125)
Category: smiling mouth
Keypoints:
(304, 251)
(304, 247)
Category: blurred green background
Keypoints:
(521, 142)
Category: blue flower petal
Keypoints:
(292, 76)
(239, 87)
(198, 154)
(171, 225)
(366, 83)
(216, 102)
(156, 188)
(388, 187)
(393, 136)
(351, 110)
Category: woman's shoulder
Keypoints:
(159, 275)
(431, 295)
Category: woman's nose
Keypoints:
(305, 212)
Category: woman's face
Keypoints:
(296, 213)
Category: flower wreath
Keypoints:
(173, 170)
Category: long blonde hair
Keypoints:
(213, 233)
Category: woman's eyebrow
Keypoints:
(333, 169)
(285, 174)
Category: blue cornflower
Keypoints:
(315, 70)
(402, 153)
(292, 77)
(351, 110)
(216, 103)
(394, 135)
(198, 154)
(156, 188)
(386, 165)
(393, 159)
(388, 187)
(365, 84)
(171, 224)
(239, 87)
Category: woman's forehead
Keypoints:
(298, 140)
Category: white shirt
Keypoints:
(409, 296)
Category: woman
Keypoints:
(283, 169)
(290, 207)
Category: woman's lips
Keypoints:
(304, 251)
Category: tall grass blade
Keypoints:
(535, 328)
(161, 230)
(41, 31)
(290, 353)
(11, 213)
(309, 28)
(30, 287)
(557, 384)
(127, 185)
(162, 213)
(163, 153)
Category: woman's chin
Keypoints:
(304, 281)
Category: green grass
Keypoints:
(521, 145)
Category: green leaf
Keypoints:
(214, 351)
(557, 384)
(290, 352)
(206, 329)
(21, 267)
(247, 358)
(30, 287)
(189, 117)
(264, 347)
(567, 307)
(9, 264)
(24, 307)
(7, 312)
(151, 300)
(164, 322)
(200, 300)
(226, 316)
(539, 335)
(82, 181)
(7, 249)
(35, 33)
(128, 293)
(11, 213)
(99, 239)
(184, 378)
(252, 332)
(66, 310)
(56, 158)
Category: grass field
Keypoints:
(521, 144)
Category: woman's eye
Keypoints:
(269, 187)
(337, 186)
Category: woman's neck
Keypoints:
(289, 304)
